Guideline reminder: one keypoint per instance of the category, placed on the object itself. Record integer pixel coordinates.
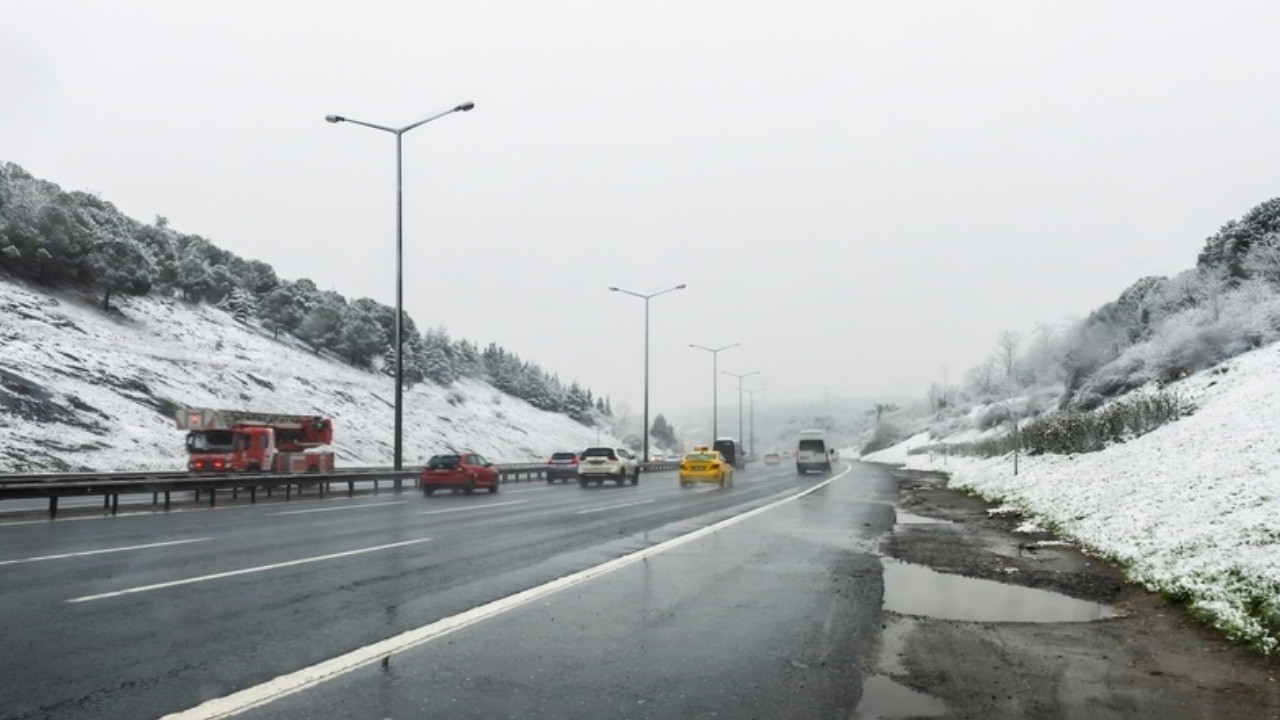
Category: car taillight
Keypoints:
(573, 461)
(551, 462)
(715, 466)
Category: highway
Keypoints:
(148, 614)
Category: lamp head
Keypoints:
(464, 107)
(680, 286)
(334, 118)
(613, 289)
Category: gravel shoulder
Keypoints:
(1152, 661)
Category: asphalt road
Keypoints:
(148, 614)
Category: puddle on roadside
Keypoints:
(905, 518)
(918, 590)
(884, 699)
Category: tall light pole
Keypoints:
(646, 298)
(751, 403)
(399, 132)
(740, 377)
(715, 385)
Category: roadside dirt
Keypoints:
(1153, 661)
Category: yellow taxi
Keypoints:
(705, 465)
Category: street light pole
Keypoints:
(715, 385)
(646, 298)
(399, 133)
(751, 404)
(740, 377)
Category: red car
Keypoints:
(463, 471)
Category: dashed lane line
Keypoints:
(588, 511)
(103, 551)
(245, 571)
(486, 506)
(337, 509)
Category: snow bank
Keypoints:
(84, 389)
(1191, 509)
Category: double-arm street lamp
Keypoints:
(740, 377)
(715, 385)
(645, 430)
(399, 132)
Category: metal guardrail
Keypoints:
(112, 485)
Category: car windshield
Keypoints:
(563, 456)
(702, 457)
(812, 446)
(211, 441)
(598, 452)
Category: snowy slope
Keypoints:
(84, 389)
(1191, 509)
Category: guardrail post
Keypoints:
(106, 501)
(235, 492)
(375, 486)
(197, 496)
(351, 488)
(166, 499)
(115, 502)
(253, 494)
(288, 491)
(319, 486)
(213, 497)
(53, 507)
(155, 498)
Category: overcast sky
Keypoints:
(861, 194)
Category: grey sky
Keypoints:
(861, 194)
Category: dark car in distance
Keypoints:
(562, 466)
(463, 471)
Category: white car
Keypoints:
(608, 463)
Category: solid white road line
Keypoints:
(337, 509)
(475, 507)
(299, 680)
(588, 511)
(103, 551)
(245, 571)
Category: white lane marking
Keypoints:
(588, 511)
(336, 509)
(299, 680)
(525, 490)
(103, 551)
(245, 571)
(474, 507)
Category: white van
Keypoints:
(811, 452)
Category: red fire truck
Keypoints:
(234, 441)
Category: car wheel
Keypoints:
(428, 491)
(799, 470)
(582, 482)
(684, 484)
(721, 479)
(470, 486)
(635, 477)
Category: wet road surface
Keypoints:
(760, 618)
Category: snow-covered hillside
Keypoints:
(85, 389)
(1191, 509)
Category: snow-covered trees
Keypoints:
(119, 264)
(77, 239)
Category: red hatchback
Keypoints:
(463, 471)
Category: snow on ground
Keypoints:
(84, 389)
(1191, 509)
